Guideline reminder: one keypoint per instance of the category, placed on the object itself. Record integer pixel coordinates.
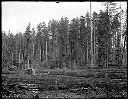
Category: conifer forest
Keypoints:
(85, 57)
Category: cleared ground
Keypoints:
(70, 83)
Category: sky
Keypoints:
(17, 15)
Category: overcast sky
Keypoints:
(17, 15)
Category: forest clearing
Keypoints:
(85, 57)
(68, 84)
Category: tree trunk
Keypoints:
(46, 51)
(28, 63)
(46, 54)
(87, 51)
(40, 54)
(91, 38)
(74, 65)
(19, 58)
(33, 50)
(94, 47)
(12, 56)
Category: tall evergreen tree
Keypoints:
(83, 40)
(63, 34)
(73, 41)
(41, 37)
(27, 41)
(95, 43)
(103, 38)
(88, 35)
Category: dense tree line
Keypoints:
(67, 44)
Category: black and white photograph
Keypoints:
(59, 49)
